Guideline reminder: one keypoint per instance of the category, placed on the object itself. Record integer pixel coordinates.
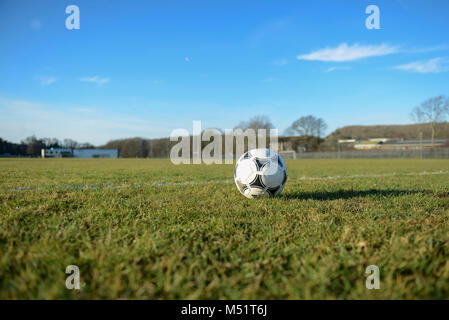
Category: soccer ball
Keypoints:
(260, 173)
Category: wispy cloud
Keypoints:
(441, 47)
(280, 62)
(336, 68)
(349, 53)
(96, 79)
(435, 65)
(45, 81)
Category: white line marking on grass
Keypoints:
(183, 183)
(135, 185)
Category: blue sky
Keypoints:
(144, 68)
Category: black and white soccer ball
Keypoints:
(260, 173)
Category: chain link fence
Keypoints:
(436, 153)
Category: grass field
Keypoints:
(149, 229)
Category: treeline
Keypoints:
(304, 134)
(140, 147)
(160, 148)
(31, 146)
(406, 132)
(308, 130)
(13, 149)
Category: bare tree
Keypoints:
(307, 126)
(256, 122)
(33, 146)
(69, 143)
(321, 127)
(431, 111)
(51, 143)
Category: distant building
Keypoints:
(56, 153)
(367, 145)
(381, 140)
(95, 153)
(413, 144)
(79, 153)
(398, 144)
(346, 141)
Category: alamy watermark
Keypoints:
(73, 20)
(373, 280)
(224, 145)
(72, 282)
(373, 20)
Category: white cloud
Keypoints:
(45, 81)
(96, 79)
(186, 59)
(441, 47)
(435, 65)
(336, 68)
(348, 53)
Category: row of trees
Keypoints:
(141, 148)
(31, 146)
(11, 148)
(308, 127)
(307, 130)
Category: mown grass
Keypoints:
(133, 236)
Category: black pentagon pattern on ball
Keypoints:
(257, 182)
(260, 163)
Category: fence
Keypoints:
(437, 153)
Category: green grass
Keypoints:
(135, 237)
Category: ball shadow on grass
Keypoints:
(348, 194)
